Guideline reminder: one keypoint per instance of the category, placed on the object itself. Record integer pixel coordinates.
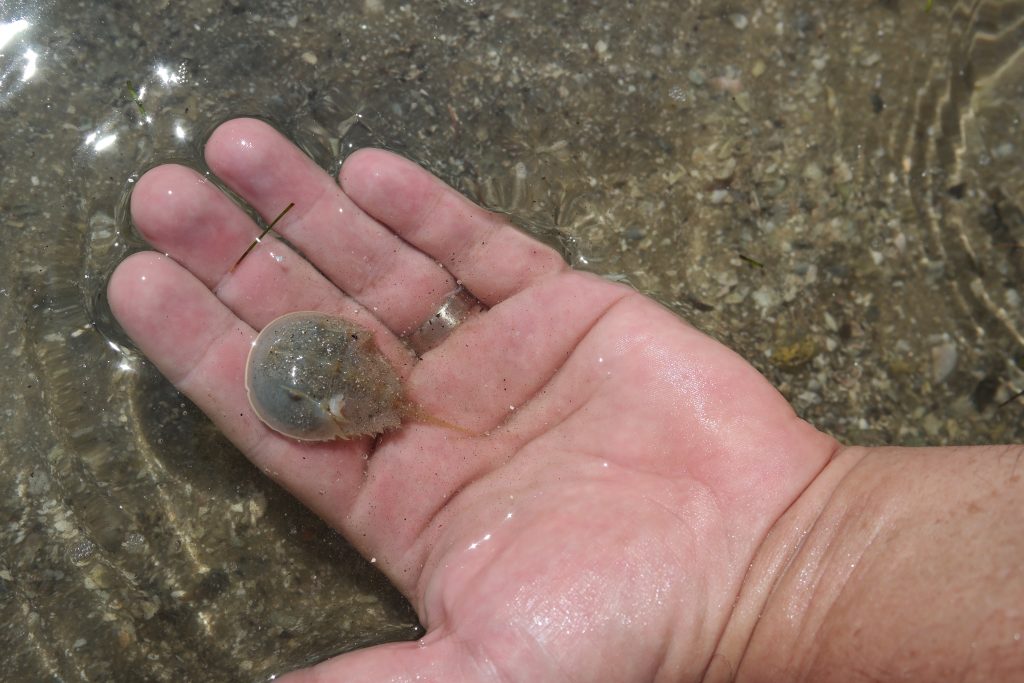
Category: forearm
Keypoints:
(897, 564)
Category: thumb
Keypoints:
(427, 660)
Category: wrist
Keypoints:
(896, 563)
(773, 562)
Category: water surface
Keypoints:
(834, 189)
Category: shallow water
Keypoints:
(834, 189)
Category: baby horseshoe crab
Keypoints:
(316, 377)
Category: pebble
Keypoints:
(843, 172)
(739, 20)
(765, 297)
(724, 170)
(809, 398)
(1004, 151)
(812, 172)
(944, 357)
(870, 59)
(900, 242)
(932, 425)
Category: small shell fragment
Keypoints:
(316, 377)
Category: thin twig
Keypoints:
(1010, 400)
(261, 236)
(756, 264)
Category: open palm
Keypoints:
(616, 470)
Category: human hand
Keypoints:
(625, 468)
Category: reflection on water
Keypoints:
(21, 66)
(966, 145)
(848, 219)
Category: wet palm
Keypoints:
(622, 469)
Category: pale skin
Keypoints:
(626, 499)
